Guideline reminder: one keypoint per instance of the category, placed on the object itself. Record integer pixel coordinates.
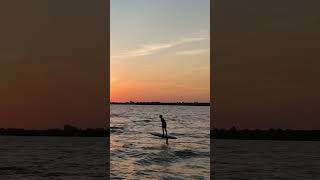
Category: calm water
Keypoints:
(53, 158)
(135, 154)
(252, 159)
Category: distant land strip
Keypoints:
(271, 134)
(66, 131)
(163, 103)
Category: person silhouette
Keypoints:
(164, 126)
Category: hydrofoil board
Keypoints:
(160, 135)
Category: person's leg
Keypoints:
(162, 132)
(166, 132)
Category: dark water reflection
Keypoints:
(136, 154)
(53, 158)
(258, 159)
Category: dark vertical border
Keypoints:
(212, 104)
(108, 85)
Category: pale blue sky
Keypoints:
(161, 41)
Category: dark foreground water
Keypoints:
(136, 154)
(257, 159)
(53, 158)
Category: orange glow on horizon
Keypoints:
(147, 92)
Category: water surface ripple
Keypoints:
(136, 154)
(61, 158)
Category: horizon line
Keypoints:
(159, 102)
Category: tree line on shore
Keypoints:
(68, 130)
(217, 133)
(163, 103)
(270, 134)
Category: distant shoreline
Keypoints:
(226, 134)
(271, 134)
(163, 103)
(68, 131)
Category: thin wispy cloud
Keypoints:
(151, 48)
(192, 52)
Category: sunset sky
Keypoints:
(160, 50)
